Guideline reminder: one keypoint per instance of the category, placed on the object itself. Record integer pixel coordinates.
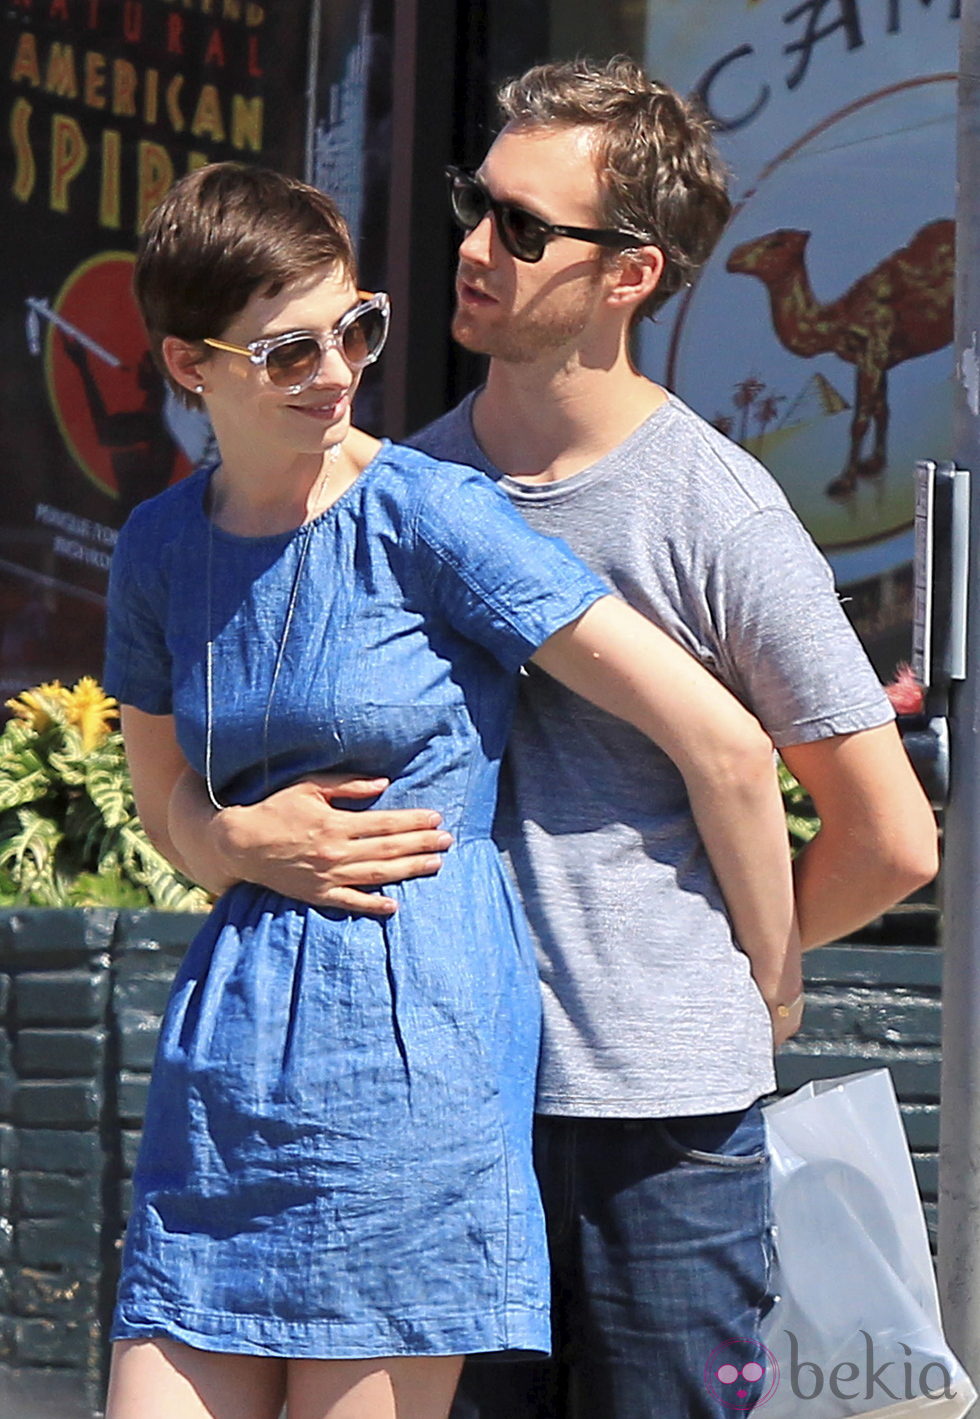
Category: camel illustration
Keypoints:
(898, 311)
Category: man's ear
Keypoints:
(636, 274)
(184, 362)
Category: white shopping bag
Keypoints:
(856, 1328)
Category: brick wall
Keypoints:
(80, 999)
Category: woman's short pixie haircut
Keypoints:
(222, 233)
(659, 171)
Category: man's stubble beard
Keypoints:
(524, 338)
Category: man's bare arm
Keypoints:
(299, 843)
(877, 841)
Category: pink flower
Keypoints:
(906, 694)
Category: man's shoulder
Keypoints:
(450, 438)
(676, 465)
(684, 489)
(710, 464)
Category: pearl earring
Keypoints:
(199, 389)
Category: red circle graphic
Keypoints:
(106, 393)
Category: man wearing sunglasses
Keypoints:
(601, 197)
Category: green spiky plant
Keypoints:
(69, 834)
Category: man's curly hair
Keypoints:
(659, 171)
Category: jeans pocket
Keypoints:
(728, 1140)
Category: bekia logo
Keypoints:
(868, 1375)
(742, 1374)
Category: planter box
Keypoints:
(81, 994)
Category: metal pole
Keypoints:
(959, 1145)
(311, 96)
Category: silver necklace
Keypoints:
(304, 532)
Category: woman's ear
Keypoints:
(184, 362)
(638, 270)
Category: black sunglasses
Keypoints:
(524, 235)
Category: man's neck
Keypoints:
(544, 425)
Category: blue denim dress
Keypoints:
(336, 1155)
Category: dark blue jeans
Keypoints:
(660, 1249)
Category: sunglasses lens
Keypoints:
(293, 362)
(470, 203)
(364, 337)
(524, 236)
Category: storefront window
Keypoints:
(598, 30)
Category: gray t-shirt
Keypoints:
(649, 1006)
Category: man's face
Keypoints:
(518, 311)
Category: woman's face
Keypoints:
(243, 402)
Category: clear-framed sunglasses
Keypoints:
(293, 360)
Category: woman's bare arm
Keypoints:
(156, 762)
(612, 656)
(620, 661)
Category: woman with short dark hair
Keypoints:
(334, 1198)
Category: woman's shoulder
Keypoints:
(170, 510)
(449, 509)
(152, 537)
(427, 481)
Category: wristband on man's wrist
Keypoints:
(784, 1011)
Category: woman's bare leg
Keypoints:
(162, 1379)
(420, 1387)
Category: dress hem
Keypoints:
(524, 1330)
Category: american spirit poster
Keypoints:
(105, 103)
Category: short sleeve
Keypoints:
(137, 660)
(497, 581)
(781, 636)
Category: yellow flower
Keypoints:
(91, 710)
(40, 706)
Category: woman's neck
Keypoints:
(254, 501)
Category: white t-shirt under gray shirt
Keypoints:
(649, 1007)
